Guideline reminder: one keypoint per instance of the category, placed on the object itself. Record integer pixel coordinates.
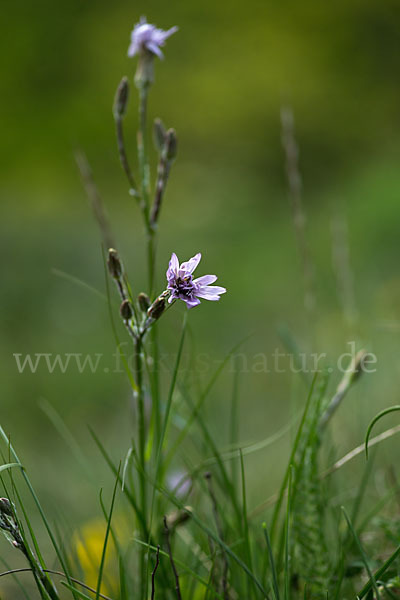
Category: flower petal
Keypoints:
(133, 49)
(154, 49)
(190, 265)
(170, 31)
(191, 302)
(205, 280)
(173, 267)
(210, 292)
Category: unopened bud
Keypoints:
(121, 98)
(160, 134)
(5, 507)
(144, 302)
(114, 264)
(126, 310)
(179, 517)
(171, 143)
(157, 308)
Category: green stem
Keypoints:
(145, 181)
(142, 149)
(151, 259)
(41, 579)
(141, 418)
(142, 448)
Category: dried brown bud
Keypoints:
(144, 302)
(171, 143)
(126, 310)
(157, 308)
(121, 98)
(160, 134)
(114, 264)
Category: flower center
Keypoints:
(184, 285)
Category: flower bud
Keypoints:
(144, 75)
(171, 144)
(144, 302)
(126, 310)
(121, 98)
(179, 517)
(159, 133)
(157, 308)
(114, 264)
(5, 507)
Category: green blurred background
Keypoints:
(224, 79)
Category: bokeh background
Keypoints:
(225, 76)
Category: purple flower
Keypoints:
(182, 285)
(179, 482)
(147, 37)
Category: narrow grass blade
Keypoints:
(202, 398)
(363, 555)
(38, 505)
(214, 537)
(165, 426)
(209, 442)
(79, 282)
(378, 574)
(10, 466)
(121, 566)
(244, 516)
(234, 426)
(278, 504)
(384, 412)
(77, 592)
(16, 579)
(181, 565)
(287, 536)
(113, 468)
(60, 426)
(290, 344)
(103, 555)
(275, 585)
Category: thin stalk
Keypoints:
(218, 523)
(145, 181)
(171, 558)
(123, 155)
(38, 505)
(291, 459)
(142, 447)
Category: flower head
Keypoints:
(182, 285)
(147, 37)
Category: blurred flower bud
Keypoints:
(146, 42)
(144, 302)
(179, 517)
(121, 98)
(157, 308)
(171, 143)
(126, 310)
(114, 264)
(144, 76)
(159, 133)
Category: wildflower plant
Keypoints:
(191, 534)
